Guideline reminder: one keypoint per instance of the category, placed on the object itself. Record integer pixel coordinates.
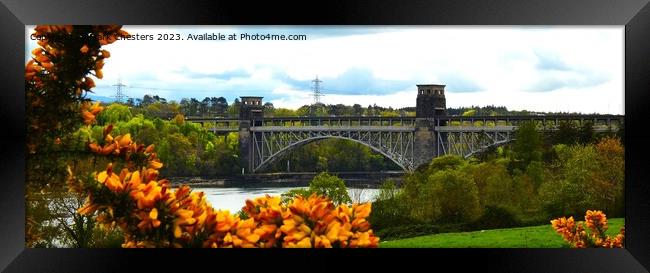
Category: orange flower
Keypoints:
(84, 49)
(37, 51)
(89, 83)
(148, 220)
(87, 117)
(111, 181)
(149, 148)
(124, 140)
(47, 65)
(155, 164)
(596, 221)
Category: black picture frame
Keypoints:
(634, 14)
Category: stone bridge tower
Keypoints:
(249, 109)
(430, 104)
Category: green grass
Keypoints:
(524, 237)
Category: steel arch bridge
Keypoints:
(407, 141)
(271, 143)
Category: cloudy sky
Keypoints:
(534, 68)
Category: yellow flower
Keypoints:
(124, 140)
(362, 210)
(155, 164)
(304, 243)
(87, 117)
(148, 220)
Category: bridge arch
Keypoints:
(396, 158)
(485, 148)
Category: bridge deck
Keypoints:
(445, 129)
(398, 119)
(475, 128)
(332, 128)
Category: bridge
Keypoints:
(407, 141)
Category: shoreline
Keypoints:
(277, 180)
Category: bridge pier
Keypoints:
(424, 143)
(251, 112)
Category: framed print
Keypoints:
(489, 135)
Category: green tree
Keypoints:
(114, 113)
(456, 196)
(609, 178)
(324, 184)
(567, 133)
(330, 186)
(586, 133)
(528, 145)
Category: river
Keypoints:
(234, 199)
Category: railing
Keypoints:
(232, 124)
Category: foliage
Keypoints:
(323, 184)
(57, 79)
(442, 192)
(333, 155)
(609, 178)
(586, 176)
(389, 209)
(330, 186)
(114, 113)
(567, 133)
(528, 147)
(593, 235)
(294, 193)
(495, 216)
(457, 196)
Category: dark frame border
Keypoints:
(634, 14)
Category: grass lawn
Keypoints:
(524, 237)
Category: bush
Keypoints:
(323, 184)
(455, 196)
(389, 213)
(114, 113)
(413, 230)
(496, 217)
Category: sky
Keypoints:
(547, 68)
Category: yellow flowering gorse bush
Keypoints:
(577, 236)
(151, 214)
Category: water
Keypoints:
(234, 199)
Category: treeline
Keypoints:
(186, 148)
(537, 178)
(332, 155)
(155, 106)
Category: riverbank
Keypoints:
(371, 180)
